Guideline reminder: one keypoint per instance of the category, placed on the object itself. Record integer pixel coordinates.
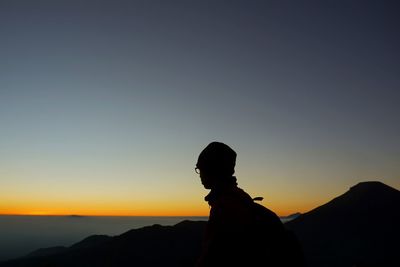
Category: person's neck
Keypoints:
(222, 185)
(226, 182)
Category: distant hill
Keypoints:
(156, 245)
(359, 228)
(42, 252)
(290, 217)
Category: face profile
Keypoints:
(205, 178)
(215, 164)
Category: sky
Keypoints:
(105, 105)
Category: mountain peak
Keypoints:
(370, 200)
(369, 185)
(372, 189)
(356, 221)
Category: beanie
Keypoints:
(218, 158)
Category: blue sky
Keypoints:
(105, 105)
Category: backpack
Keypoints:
(279, 244)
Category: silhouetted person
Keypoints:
(239, 232)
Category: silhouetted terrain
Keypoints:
(155, 245)
(290, 217)
(357, 229)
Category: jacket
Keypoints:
(231, 238)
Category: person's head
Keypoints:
(215, 163)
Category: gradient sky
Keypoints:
(105, 105)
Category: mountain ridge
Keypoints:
(355, 229)
(359, 227)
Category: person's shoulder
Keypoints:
(234, 196)
(239, 192)
(233, 207)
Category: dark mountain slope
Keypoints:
(155, 245)
(358, 228)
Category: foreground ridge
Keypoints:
(359, 228)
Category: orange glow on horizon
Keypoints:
(156, 213)
(135, 207)
(93, 211)
(149, 214)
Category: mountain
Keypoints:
(93, 240)
(42, 252)
(156, 245)
(359, 228)
(290, 217)
(88, 242)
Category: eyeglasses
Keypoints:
(197, 170)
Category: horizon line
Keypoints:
(96, 215)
